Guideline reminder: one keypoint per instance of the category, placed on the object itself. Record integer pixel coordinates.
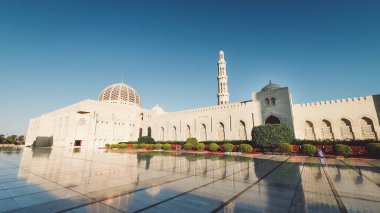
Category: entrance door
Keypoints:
(78, 143)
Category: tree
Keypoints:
(21, 140)
(2, 138)
(12, 139)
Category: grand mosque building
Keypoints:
(117, 116)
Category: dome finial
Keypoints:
(122, 78)
(270, 81)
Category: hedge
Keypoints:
(214, 147)
(193, 141)
(146, 139)
(245, 148)
(166, 146)
(374, 149)
(158, 146)
(200, 146)
(269, 136)
(285, 148)
(234, 142)
(343, 150)
(308, 149)
(228, 147)
(188, 146)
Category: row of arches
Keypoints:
(367, 130)
(202, 134)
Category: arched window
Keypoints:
(187, 132)
(272, 120)
(267, 101)
(221, 133)
(140, 132)
(327, 130)
(242, 131)
(174, 133)
(203, 132)
(368, 130)
(346, 129)
(162, 134)
(149, 132)
(272, 101)
(309, 131)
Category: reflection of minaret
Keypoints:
(223, 96)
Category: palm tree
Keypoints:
(2, 139)
(12, 139)
(21, 140)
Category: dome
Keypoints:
(270, 86)
(157, 109)
(120, 93)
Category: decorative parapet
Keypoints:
(336, 102)
(212, 108)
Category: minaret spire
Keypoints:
(223, 95)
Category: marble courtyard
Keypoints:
(96, 180)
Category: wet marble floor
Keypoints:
(80, 180)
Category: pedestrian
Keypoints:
(321, 156)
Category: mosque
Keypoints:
(117, 116)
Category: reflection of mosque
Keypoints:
(104, 175)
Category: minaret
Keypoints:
(223, 96)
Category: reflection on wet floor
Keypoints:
(80, 180)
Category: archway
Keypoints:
(149, 132)
(187, 132)
(327, 130)
(309, 131)
(368, 130)
(242, 131)
(174, 133)
(272, 120)
(346, 129)
(221, 132)
(203, 132)
(162, 134)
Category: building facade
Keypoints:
(117, 116)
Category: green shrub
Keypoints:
(149, 146)
(108, 145)
(166, 146)
(228, 147)
(158, 146)
(193, 141)
(134, 146)
(308, 149)
(122, 146)
(188, 146)
(214, 147)
(114, 146)
(374, 149)
(141, 145)
(270, 135)
(245, 148)
(145, 139)
(285, 148)
(200, 146)
(343, 150)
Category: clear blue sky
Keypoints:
(55, 53)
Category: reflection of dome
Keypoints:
(153, 191)
(121, 94)
(270, 86)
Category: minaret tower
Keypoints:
(223, 96)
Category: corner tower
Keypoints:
(223, 96)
